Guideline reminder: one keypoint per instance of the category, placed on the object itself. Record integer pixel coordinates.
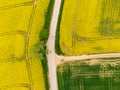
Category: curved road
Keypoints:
(51, 47)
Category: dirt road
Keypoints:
(51, 47)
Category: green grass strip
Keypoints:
(43, 39)
(57, 45)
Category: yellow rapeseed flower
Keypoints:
(20, 25)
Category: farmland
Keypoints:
(20, 24)
(92, 74)
(89, 28)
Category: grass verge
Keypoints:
(57, 45)
(43, 39)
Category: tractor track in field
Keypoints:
(26, 35)
(25, 85)
(29, 3)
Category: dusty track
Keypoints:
(51, 47)
(62, 59)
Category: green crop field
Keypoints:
(94, 74)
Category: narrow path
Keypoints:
(62, 59)
(51, 47)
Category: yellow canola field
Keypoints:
(20, 25)
(90, 27)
